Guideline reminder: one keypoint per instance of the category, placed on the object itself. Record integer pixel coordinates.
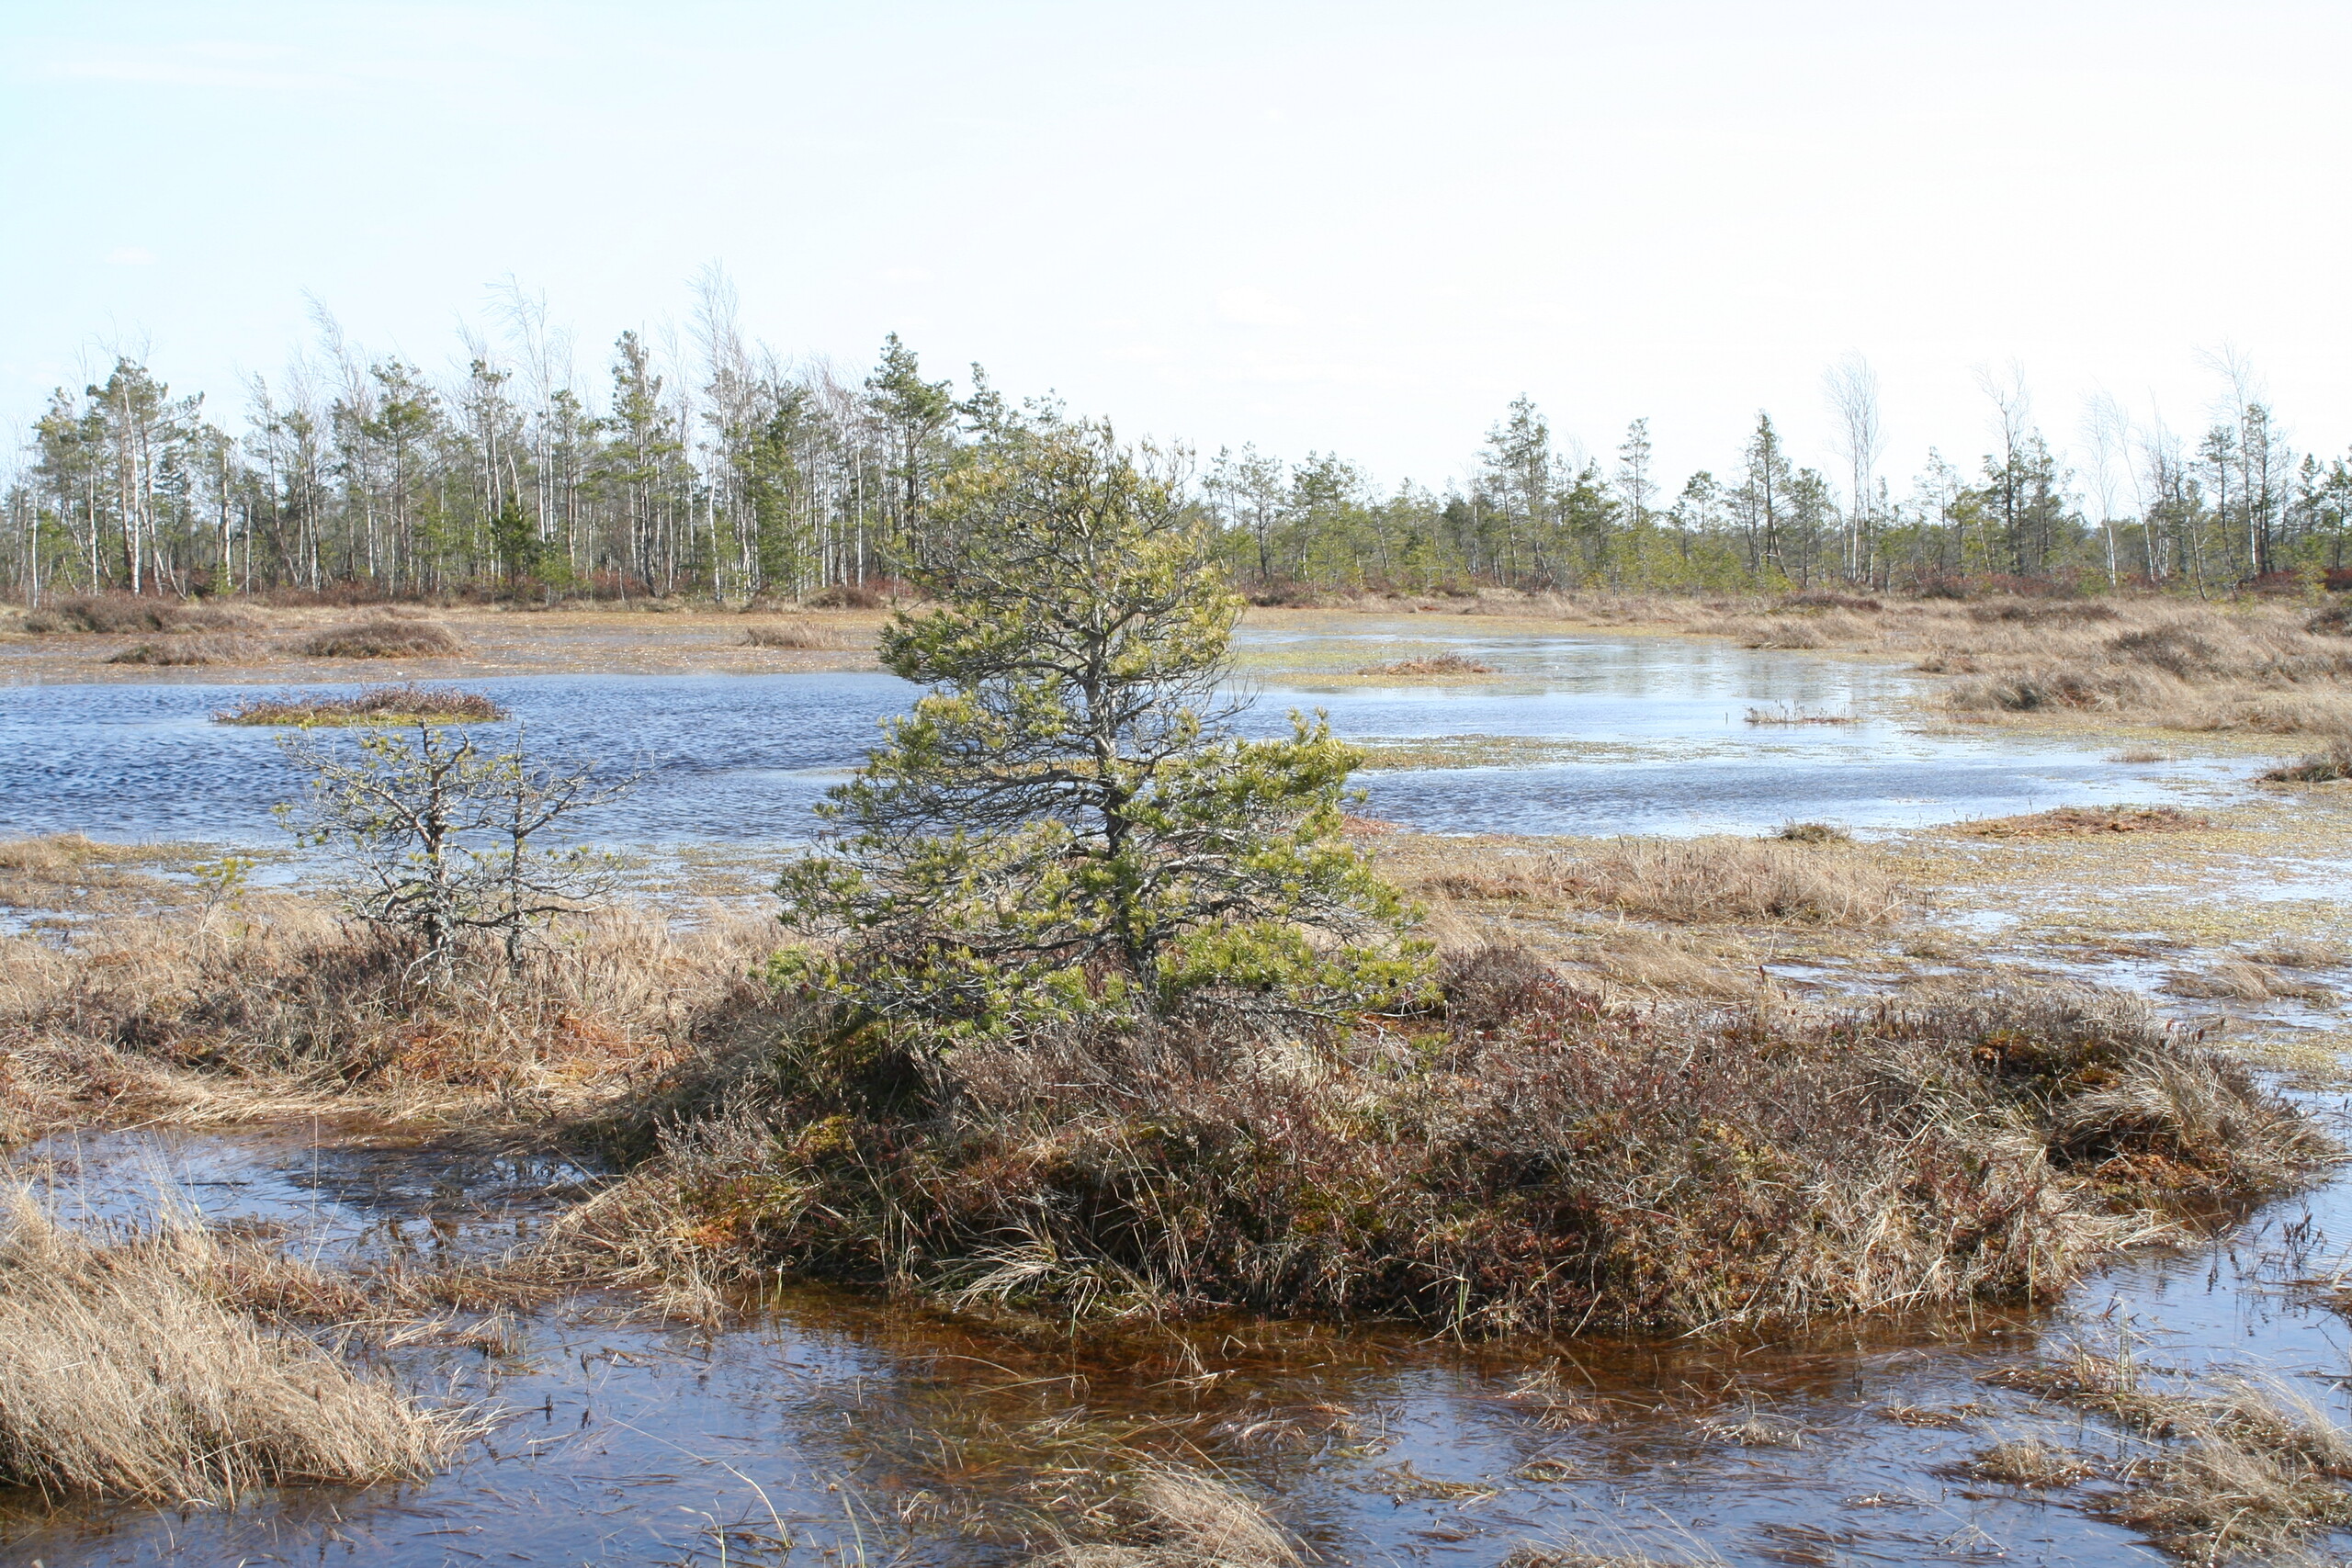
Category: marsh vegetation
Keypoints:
(1106, 1029)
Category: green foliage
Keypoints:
(1066, 822)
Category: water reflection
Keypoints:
(1651, 737)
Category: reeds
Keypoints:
(121, 1376)
(408, 703)
(383, 637)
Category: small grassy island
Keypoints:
(408, 703)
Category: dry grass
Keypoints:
(1430, 664)
(384, 636)
(122, 1375)
(2237, 979)
(1789, 713)
(1688, 881)
(2086, 821)
(1812, 833)
(1545, 1163)
(191, 650)
(2251, 1471)
(2028, 1461)
(408, 703)
(204, 1013)
(2329, 766)
(797, 634)
(122, 613)
(1648, 962)
(1184, 1518)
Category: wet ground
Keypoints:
(859, 1433)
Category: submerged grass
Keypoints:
(2241, 1471)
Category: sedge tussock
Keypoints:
(1545, 1161)
(792, 635)
(384, 637)
(1178, 1517)
(120, 1376)
(278, 1005)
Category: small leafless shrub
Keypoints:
(1812, 833)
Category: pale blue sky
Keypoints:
(1354, 226)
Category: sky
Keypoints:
(1360, 227)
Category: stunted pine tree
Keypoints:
(1067, 822)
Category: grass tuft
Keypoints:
(122, 1376)
(383, 638)
(117, 613)
(2253, 1470)
(2320, 767)
(1184, 1518)
(191, 650)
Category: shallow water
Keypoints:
(1637, 735)
(867, 1433)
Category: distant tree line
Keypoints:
(712, 467)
